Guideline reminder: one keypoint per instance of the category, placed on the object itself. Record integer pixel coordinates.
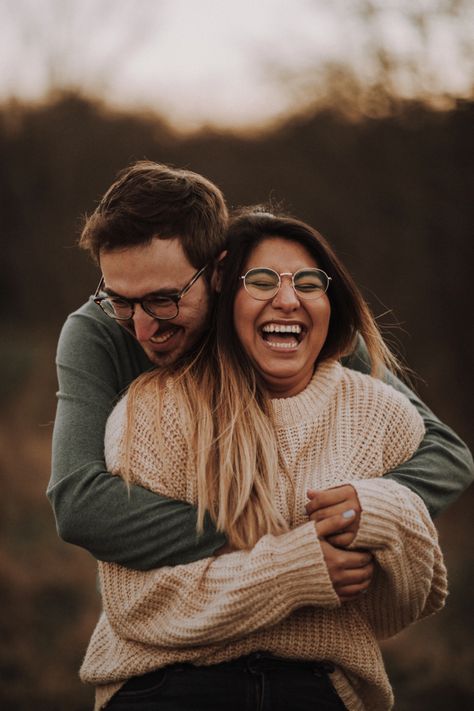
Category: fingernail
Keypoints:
(350, 513)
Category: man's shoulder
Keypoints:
(88, 334)
(92, 345)
(89, 322)
(90, 316)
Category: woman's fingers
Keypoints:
(328, 506)
(350, 592)
(325, 503)
(342, 540)
(347, 568)
(330, 511)
(335, 524)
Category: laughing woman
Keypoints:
(264, 413)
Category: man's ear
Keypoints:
(216, 278)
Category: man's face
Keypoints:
(159, 267)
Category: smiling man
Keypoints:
(157, 235)
(164, 324)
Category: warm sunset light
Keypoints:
(126, 128)
(229, 64)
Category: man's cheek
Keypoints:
(127, 326)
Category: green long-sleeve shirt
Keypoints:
(96, 361)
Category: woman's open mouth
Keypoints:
(282, 336)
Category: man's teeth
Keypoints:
(162, 338)
(281, 328)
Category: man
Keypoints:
(157, 235)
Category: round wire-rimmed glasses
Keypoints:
(161, 306)
(263, 284)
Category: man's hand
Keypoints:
(333, 505)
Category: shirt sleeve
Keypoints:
(93, 509)
(442, 467)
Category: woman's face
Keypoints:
(284, 357)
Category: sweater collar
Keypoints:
(312, 400)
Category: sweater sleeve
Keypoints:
(442, 467)
(219, 599)
(410, 580)
(96, 360)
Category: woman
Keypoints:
(264, 413)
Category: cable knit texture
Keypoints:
(344, 427)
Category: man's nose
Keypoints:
(286, 297)
(145, 326)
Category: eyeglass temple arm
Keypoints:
(99, 286)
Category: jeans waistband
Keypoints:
(263, 661)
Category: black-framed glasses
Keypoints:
(264, 284)
(162, 306)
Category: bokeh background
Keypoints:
(357, 115)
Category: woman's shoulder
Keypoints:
(144, 435)
(370, 392)
(137, 406)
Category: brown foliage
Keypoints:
(391, 194)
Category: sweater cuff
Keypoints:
(304, 574)
(380, 513)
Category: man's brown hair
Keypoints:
(150, 200)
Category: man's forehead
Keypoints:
(160, 266)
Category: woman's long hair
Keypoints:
(222, 401)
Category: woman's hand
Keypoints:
(329, 505)
(350, 571)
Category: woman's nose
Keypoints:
(286, 298)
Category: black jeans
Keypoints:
(257, 682)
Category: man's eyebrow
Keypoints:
(158, 292)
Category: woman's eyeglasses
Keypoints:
(264, 284)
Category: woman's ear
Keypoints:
(216, 278)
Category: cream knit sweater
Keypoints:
(344, 427)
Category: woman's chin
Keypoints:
(286, 381)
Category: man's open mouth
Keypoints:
(285, 336)
(164, 336)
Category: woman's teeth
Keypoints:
(281, 328)
(288, 344)
(291, 334)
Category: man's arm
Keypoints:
(96, 361)
(442, 467)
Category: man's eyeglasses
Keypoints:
(264, 284)
(161, 306)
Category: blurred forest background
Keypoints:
(388, 179)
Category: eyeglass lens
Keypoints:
(157, 306)
(264, 283)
